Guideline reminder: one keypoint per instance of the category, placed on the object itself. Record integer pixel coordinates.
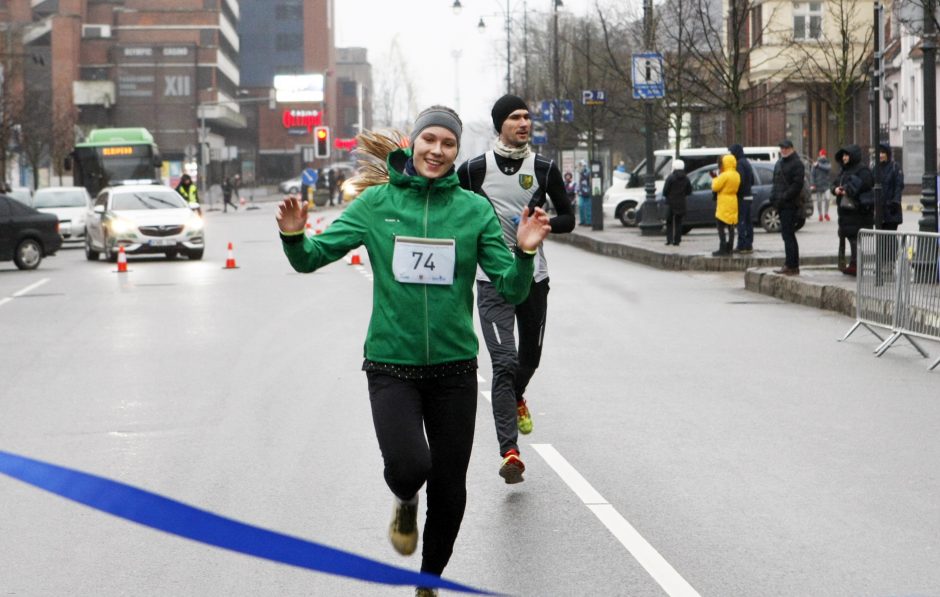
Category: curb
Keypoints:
(680, 262)
(802, 290)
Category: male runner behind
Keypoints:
(511, 176)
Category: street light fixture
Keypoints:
(457, 7)
(481, 26)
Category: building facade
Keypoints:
(199, 74)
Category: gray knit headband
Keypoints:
(433, 117)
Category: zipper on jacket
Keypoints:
(427, 315)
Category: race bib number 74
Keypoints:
(424, 260)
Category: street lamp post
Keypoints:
(481, 26)
(649, 214)
(928, 200)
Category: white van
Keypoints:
(623, 198)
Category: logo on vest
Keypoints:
(526, 180)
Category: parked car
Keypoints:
(626, 193)
(69, 204)
(22, 194)
(26, 235)
(291, 186)
(701, 205)
(144, 219)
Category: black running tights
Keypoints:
(403, 410)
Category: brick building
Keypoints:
(197, 73)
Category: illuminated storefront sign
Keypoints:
(292, 119)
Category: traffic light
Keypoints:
(321, 139)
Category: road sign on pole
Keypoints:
(593, 97)
(648, 80)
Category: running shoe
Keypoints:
(403, 531)
(524, 418)
(425, 592)
(512, 468)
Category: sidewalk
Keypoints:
(820, 284)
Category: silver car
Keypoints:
(144, 219)
(69, 204)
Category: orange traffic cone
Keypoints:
(122, 261)
(308, 229)
(230, 261)
(354, 258)
(319, 227)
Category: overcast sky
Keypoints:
(429, 33)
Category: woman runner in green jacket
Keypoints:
(425, 237)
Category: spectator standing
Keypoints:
(188, 190)
(892, 186)
(676, 190)
(340, 181)
(745, 200)
(821, 173)
(725, 185)
(855, 202)
(789, 177)
(584, 195)
(331, 173)
(571, 191)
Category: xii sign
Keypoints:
(177, 86)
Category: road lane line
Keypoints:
(644, 553)
(30, 287)
(23, 291)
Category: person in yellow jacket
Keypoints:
(725, 185)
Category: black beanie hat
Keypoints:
(505, 106)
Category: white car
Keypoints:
(623, 199)
(69, 204)
(144, 219)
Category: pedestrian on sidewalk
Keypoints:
(584, 195)
(745, 200)
(789, 177)
(725, 185)
(892, 186)
(571, 190)
(421, 347)
(821, 174)
(227, 189)
(676, 190)
(855, 203)
(513, 177)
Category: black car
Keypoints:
(26, 235)
(701, 203)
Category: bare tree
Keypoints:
(725, 54)
(395, 93)
(11, 90)
(835, 67)
(35, 133)
(64, 119)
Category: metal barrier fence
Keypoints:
(897, 288)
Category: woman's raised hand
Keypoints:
(291, 215)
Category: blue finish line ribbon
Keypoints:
(177, 518)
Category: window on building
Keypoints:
(348, 88)
(757, 25)
(286, 42)
(288, 12)
(807, 20)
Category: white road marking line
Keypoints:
(19, 293)
(644, 553)
(31, 287)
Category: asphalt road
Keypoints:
(691, 438)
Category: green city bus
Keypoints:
(115, 156)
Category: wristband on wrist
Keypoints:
(520, 252)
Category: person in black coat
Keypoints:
(676, 190)
(892, 185)
(745, 200)
(855, 202)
